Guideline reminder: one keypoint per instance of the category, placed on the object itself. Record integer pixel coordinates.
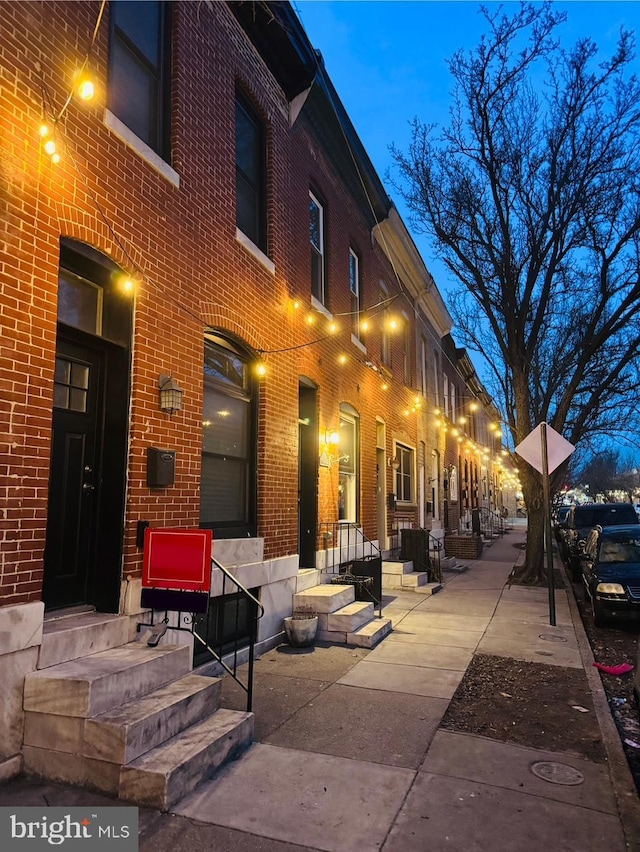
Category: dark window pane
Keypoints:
(250, 175)
(140, 22)
(247, 145)
(223, 365)
(61, 396)
(132, 95)
(223, 491)
(78, 400)
(225, 424)
(63, 371)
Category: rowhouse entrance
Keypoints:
(83, 552)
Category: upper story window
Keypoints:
(406, 366)
(423, 366)
(452, 389)
(445, 394)
(139, 70)
(251, 208)
(354, 290)
(316, 234)
(385, 340)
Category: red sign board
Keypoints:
(177, 559)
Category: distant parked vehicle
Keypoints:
(582, 519)
(559, 519)
(611, 572)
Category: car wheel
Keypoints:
(599, 618)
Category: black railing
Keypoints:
(234, 633)
(351, 558)
(492, 522)
(425, 549)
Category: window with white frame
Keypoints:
(445, 395)
(452, 389)
(139, 70)
(436, 377)
(423, 366)
(405, 474)
(354, 290)
(316, 234)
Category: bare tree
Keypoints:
(532, 193)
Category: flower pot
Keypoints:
(301, 631)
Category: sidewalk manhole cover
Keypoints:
(549, 637)
(557, 773)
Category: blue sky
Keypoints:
(387, 62)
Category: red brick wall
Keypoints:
(194, 275)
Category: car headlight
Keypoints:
(610, 589)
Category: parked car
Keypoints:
(582, 519)
(611, 572)
(559, 522)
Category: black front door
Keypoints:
(76, 474)
(307, 475)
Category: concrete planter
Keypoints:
(301, 631)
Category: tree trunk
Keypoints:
(533, 572)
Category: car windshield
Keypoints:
(620, 551)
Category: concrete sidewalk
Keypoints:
(349, 756)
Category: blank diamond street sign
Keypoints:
(558, 448)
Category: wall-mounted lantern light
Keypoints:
(170, 394)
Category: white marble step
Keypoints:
(306, 578)
(397, 567)
(74, 636)
(96, 683)
(370, 634)
(346, 619)
(324, 598)
(163, 776)
(405, 581)
(124, 733)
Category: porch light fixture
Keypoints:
(170, 394)
(394, 463)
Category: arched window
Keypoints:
(227, 485)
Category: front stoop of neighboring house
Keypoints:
(400, 576)
(342, 619)
(122, 717)
(464, 546)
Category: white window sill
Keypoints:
(321, 308)
(357, 342)
(253, 249)
(129, 138)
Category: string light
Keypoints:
(86, 89)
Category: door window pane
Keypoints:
(71, 385)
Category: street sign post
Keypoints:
(545, 450)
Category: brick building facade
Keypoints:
(209, 219)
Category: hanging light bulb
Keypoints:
(44, 130)
(86, 90)
(50, 147)
(55, 158)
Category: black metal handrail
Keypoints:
(433, 550)
(491, 519)
(225, 653)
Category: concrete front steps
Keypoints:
(126, 719)
(342, 619)
(401, 576)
